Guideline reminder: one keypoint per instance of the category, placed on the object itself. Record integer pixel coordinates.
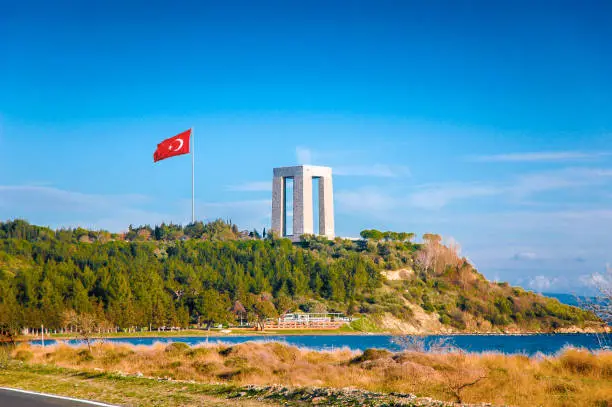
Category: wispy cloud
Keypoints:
(306, 156)
(561, 179)
(368, 200)
(542, 283)
(35, 196)
(542, 156)
(256, 186)
(59, 207)
(303, 155)
(525, 256)
(438, 196)
(376, 170)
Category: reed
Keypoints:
(574, 377)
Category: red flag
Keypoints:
(177, 145)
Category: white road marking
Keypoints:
(53, 396)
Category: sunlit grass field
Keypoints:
(572, 378)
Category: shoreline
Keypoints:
(218, 334)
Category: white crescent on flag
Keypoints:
(181, 142)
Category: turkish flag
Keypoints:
(177, 145)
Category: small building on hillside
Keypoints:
(308, 321)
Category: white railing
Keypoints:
(307, 319)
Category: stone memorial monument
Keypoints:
(303, 201)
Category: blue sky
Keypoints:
(487, 122)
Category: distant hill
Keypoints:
(170, 275)
(575, 300)
(568, 299)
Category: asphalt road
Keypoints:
(9, 398)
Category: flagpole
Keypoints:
(192, 177)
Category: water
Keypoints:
(526, 344)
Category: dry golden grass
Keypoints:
(572, 378)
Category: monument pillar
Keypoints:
(303, 216)
(326, 206)
(278, 205)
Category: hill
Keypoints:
(568, 299)
(171, 275)
(575, 300)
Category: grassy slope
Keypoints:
(464, 301)
(135, 391)
(120, 390)
(573, 378)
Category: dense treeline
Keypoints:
(217, 230)
(44, 273)
(171, 275)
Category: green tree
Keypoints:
(260, 309)
(213, 307)
(372, 234)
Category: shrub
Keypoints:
(441, 286)
(372, 354)
(445, 319)
(85, 355)
(5, 357)
(239, 373)
(498, 319)
(457, 319)
(226, 351)
(177, 348)
(283, 352)
(427, 305)
(503, 305)
(206, 368)
(237, 362)
(198, 352)
(401, 312)
(23, 355)
(579, 361)
(518, 317)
